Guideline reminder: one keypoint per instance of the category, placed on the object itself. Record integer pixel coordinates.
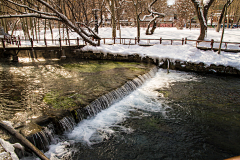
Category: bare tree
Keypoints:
(202, 11)
(55, 13)
(155, 15)
(185, 11)
(226, 5)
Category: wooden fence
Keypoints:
(125, 41)
(45, 42)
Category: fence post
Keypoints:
(66, 40)
(225, 45)
(212, 41)
(11, 39)
(186, 40)
(182, 41)
(45, 41)
(135, 40)
(77, 42)
(31, 40)
(171, 41)
(15, 39)
(60, 44)
(120, 40)
(3, 44)
(138, 39)
(114, 39)
(19, 41)
(160, 40)
(98, 42)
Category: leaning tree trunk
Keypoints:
(153, 27)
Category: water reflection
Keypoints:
(33, 88)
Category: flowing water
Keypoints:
(172, 116)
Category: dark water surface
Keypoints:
(173, 116)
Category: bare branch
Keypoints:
(30, 15)
(13, 9)
(31, 9)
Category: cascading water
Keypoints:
(43, 139)
(67, 123)
(103, 124)
(147, 125)
(110, 98)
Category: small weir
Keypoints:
(147, 125)
(112, 97)
(42, 139)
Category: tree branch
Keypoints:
(30, 15)
(31, 9)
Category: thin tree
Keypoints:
(227, 4)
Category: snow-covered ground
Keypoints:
(177, 51)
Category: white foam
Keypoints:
(108, 122)
(145, 98)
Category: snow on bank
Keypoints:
(184, 53)
(187, 52)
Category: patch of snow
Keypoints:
(9, 148)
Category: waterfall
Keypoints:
(67, 123)
(43, 138)
(108, 99)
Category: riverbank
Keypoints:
(53, 111)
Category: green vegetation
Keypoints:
(104, 76)
(59, 100)
(94, 67)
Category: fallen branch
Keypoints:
(23, 140)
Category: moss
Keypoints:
(92, 66)
(93, 79)
(59, 100)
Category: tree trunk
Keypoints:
(45, 28)
(203, 30)
(238, 22)
(138, 28)
(50, 27)
(35, 25)
(220, 19)
(15, 24)
(113, 19)
(202, 16)
(154, 27)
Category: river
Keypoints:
(172, 116)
